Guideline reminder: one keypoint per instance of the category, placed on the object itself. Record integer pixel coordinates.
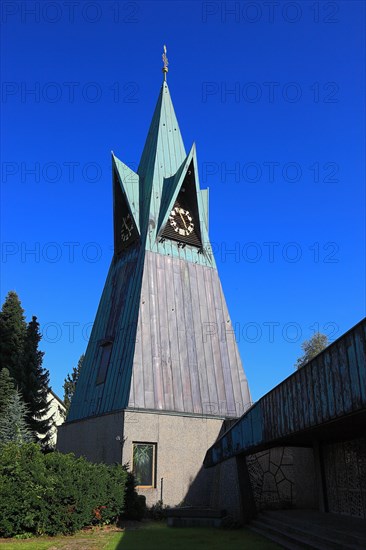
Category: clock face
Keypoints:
(181, 221)
(127, 227)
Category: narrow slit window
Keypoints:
(144, 464)
(105, 356)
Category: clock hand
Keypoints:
(181, 217)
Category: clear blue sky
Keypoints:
(274, 97)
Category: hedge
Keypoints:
(56, 493)
(135, 505)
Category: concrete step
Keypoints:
(195, 512)
(195, 517)
(279, 539)
(283, 536)
(337, 533)
(304, 534)
(194, 522)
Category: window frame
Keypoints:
(104, 346)
(154, 446)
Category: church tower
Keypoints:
(162, 370)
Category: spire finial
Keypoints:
(166, 63)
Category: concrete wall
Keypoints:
(225, 494)
(305, 481)
(182, 442)
(98, 439)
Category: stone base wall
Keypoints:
(182, 442)
(98, 439)
(283, 477)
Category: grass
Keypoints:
(149, 536)
(91, 539)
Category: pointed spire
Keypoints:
(162, 155)
(166, 63)
(164, 150)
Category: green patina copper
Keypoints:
(162, 310)
(153, 190)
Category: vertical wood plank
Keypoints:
(155, 332)
(148, 376)
(172, 306)
(190, 335)
(165, 352)
(182, 340)
(199, 305)
(223, 346)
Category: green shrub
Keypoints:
(23, 483)
(56, 493)
(135, 505)
(157, 511)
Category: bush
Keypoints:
(135, 505)
(157, 511)
(56, 493)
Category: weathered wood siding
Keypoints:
(115, 321)
(186, 358)
(172, 349)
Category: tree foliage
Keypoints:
(19, 354)
(311, 348)
(13, 425)
(70, 383)
(7, 389)
(13, 330)
(34, 385)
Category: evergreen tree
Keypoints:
(13, 425)
(12, 334)
(7, 389)
(312, 347)
(70, 384)
(34, 385)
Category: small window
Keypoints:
(144, 464)
(105, 355)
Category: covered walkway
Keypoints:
(307, 434)
(325, 399)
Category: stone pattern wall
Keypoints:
(345, 476)
(272, 478)
(282, 477)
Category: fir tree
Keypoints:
(34, 385)
(70, 384)
(312, 347)
(12, 334)
(7, 389)
(13, 425)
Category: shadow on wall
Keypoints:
(283, 478)
(280, 478)
(217, 487)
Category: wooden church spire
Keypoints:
(162, 338)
